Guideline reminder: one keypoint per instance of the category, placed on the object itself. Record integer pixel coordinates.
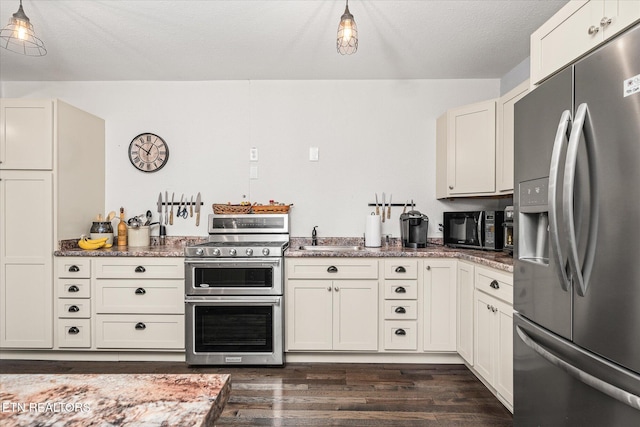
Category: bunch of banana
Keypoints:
(93, 244)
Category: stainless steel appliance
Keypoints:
(507, 230)
(576, 272)
(474, 229)
(414, 227)
(234, 291)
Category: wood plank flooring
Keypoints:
(328, 394)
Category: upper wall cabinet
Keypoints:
(466, 151)
(576, 29)
(505, 137)
(26, 134)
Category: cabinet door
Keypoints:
(465, 286)
(505, 137)
(484, 336)
(622, 13)
(26, 259)
(355, 315)
(471, 145)
(439, 305)
(309, 314)
(504, 361)
(26, 134)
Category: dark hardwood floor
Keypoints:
(327, 394)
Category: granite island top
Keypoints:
(175, 248)
(112, 400)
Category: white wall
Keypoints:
(373, 136)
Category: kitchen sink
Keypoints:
(331, 248)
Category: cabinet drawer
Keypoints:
(497, 284)
(400, 310)
(139, 268)
(73, 267)
(400, 335)
(140, 296)
(74, 288)
(140, 331)
(74, 333)
(401, 289)
(74, 308)
(401, 269)
(332, 268)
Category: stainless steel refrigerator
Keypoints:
(577, 251)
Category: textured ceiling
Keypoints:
(273, 39)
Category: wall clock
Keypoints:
(148, 152)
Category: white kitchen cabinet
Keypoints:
(576, 29)
(493, 331)
(505, 137)
(26, 249)
(464, 300)
(73, 302)
(466, 151)
(400, 325)
(439, 298)
(326, 312)
(51, 184)
(139, 303)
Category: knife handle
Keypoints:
(197, 219)
(171, 217)
(191, 209)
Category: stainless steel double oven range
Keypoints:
(234, 291)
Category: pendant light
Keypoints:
(347, 42)
(18, 36)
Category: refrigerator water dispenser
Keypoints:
(533, 242)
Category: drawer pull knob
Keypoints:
(329, 288)
(400, 290)
(401, 269)
(332, 269)
(400, 310)
(74, 269)
(74, 309)
(494, 284)
(428, 268)
(140, 291)
(337, 289)
(73, 288)
(400, 332)
(140, 269)
(74, 331)
(593, 30)
(140, 326)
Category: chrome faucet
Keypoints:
(314, 237)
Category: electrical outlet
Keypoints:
(253, 154)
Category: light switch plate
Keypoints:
(314, 154)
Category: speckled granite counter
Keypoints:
(109, 400)
(174, 247)
(497, 260)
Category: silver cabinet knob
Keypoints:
(605, 22)
(593, 30)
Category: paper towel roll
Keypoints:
(372, 234)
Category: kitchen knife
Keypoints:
(389, 207)
(171, 214)
(181, 205)
(191, 207)
(377, 208)
(160, 206)
(382, 207)
(198, 210)
(166, 207)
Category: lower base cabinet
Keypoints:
(140, 332)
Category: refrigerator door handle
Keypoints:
(610, 390)
(581, 125)
(554, 172)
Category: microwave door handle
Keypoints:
(554, 172)
(581, 125)
(479, 231)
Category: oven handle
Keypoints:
(252, 262)
(234, 300)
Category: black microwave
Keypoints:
(474, 229)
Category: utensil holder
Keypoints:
(138, 236)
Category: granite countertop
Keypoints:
(106, 400)
(174, 247)
(498, 260)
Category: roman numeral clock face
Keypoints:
(148, 152)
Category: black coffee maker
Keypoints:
(413, 229)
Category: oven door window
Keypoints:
(233, 329)
(233, 277)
